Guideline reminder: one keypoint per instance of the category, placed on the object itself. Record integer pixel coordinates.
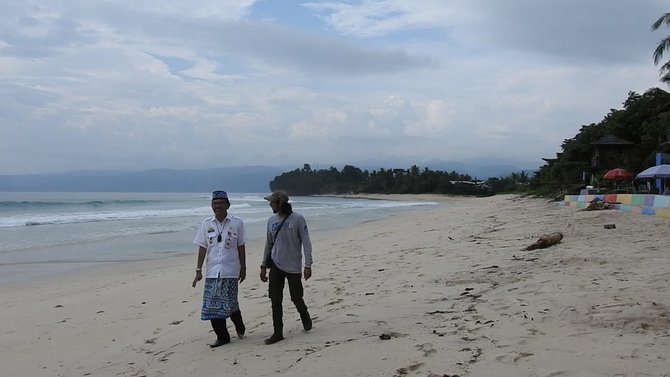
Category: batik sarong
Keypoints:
(219, 299)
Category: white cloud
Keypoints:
(369, 18)
(435, 121)
(143, 84)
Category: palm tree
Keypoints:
(663, 46)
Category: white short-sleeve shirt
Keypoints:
(222, 259)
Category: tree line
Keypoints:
(351, 179)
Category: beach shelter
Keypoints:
(656, 172)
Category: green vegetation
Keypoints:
(353, 180)
(643, 121)
(662, 48)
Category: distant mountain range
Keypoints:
(233, 179)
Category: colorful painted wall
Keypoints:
(639, 204)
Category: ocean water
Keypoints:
(47, 234)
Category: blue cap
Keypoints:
(219, 195)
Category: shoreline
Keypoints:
(449, 287)
(403, 197)
(64, 249)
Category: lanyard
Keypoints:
(218, 238)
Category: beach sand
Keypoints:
(450, 289)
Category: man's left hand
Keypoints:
(307, 273)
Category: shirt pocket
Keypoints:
(211, 238)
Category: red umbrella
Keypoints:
(618, 174)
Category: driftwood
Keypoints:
(545, 241)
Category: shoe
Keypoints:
(219, 343)
(274, 339)
(306, 321)
(240, 335)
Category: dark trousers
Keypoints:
(219, 326)
(276, 293)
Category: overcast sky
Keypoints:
(118, 84)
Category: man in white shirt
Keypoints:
(220, 241)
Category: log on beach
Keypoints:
(545, 241)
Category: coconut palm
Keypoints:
(663, 46)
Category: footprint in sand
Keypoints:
(476, 354)
(164, 358)
(513, 357)
(411, 368)
(391, 334)
(427, 349)
(558, 373)
(337, 301)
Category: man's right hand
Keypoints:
(264, 276)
